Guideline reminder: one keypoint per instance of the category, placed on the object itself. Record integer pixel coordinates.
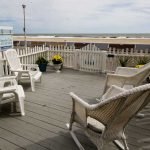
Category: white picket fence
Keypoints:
(92, 59)
(66, 52)
(113, 62)
(133, 54)
(86, 59)
(27, 56)
(128, 51)
(89, 58)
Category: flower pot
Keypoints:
(57, 67)
(42, 67)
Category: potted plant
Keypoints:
(57, 62)
(42, 63)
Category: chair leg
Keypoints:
(125, 144)
(0, 108)
(21, 104)
(140, 115)
(75, 138)
(32, 85)
(119, 145)
(13, 107)
(40, 79)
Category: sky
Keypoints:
(77, 16)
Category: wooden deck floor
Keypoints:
(48, 110)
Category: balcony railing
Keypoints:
(89, 58)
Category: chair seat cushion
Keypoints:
(95, 125)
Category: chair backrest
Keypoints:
(118, 110)
(131, 80)
(144, 67)
(135, 100)
(13, 59)
(141, 76)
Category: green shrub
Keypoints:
(41, 60)
(124, 61)
(143, 60)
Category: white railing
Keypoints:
(27, 56)
(133, 55)
(90, 58)
(66, 52)
(127, 51)
(113, 61)
(87, 59)
(30, 54)
(80, 59)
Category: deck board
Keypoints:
(48, 110)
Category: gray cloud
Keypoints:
(59, 16)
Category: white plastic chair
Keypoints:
(23, 72)
(106, 121)
(11, 92)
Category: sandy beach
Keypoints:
(119, 40)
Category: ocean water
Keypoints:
(103, 35)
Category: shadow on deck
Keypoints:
(48, 110)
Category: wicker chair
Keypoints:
(11, 92)
(106, 121)
(127, 77)
(23, 72)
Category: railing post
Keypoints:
(1, 64)
(76, 59)
(104, 61)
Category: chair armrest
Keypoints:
(21, 71)
(79, 110)
(8, 89)
(9, 80)
(116, 79)
(126, 70)
(112, 91)
(33, 67)
(79, 100)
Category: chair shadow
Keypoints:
(63, 141)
